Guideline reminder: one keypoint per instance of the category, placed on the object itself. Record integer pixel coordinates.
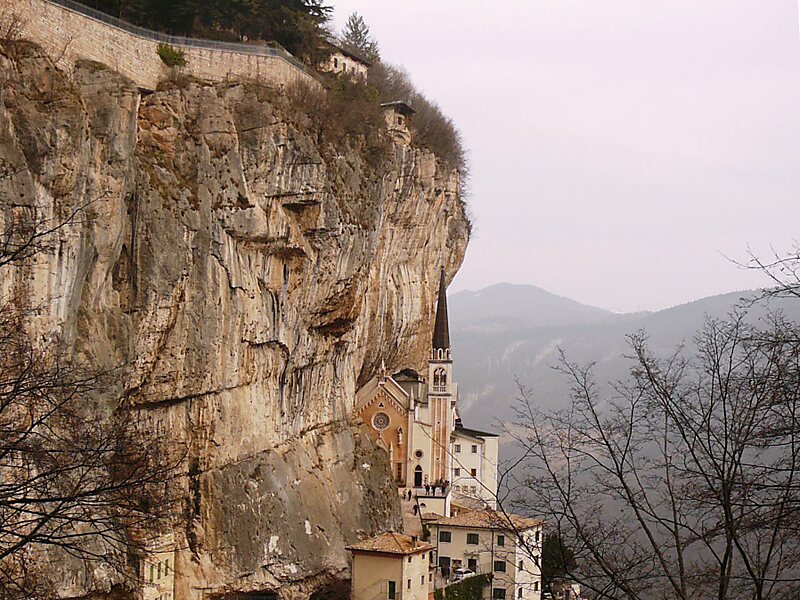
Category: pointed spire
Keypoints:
(441, 329)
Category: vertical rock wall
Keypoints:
(248, 280)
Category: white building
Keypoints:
(391, 566)
(487, 541)
(474, 471)
(158, 569)
(415, 419)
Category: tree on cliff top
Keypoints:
(355, 38)
(80, 478)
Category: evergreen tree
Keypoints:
(558, 560)
(355, 38)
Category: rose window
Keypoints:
(380, 421)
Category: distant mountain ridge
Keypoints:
(509, 331)
(511, 303)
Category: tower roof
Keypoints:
(441, 328)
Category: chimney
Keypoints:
(414, 540)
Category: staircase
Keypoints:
(412, 524)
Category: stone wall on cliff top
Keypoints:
(249, 279)
(69, 35)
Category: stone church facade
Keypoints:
(415, 419)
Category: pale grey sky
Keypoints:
(619, 148)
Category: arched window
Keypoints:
(439, 380)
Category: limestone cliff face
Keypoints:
(248, 280)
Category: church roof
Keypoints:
(407, 375)
(441, 328)
(391, 543)
(490, 519)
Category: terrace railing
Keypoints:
(180, 41)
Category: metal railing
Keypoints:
(177, 40)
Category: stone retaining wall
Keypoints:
(68, 36)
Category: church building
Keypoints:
(415, 419)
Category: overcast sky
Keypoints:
(620, 149)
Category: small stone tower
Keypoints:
(441, 392)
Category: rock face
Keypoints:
(247, 278)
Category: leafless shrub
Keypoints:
(344, 111)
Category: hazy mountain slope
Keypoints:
(509, 305)
(511, 331)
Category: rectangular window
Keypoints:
(501, 540)
(473, 472)
(535, 586)
(474, 449)
(498, 594)
(408, 585)
(538, 532)
(472, 538)
(521, 566)
(473, 489)
(409, 559)
(500, 566)
(519, 593)
(457, 472)
(166, 567)
(392, 590)
(458, 448)
(158, 571)
(422, 580)
(152, 572)
(444, 536)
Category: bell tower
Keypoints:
(441, 389)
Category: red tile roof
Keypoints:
(490, 519)
(391, 543)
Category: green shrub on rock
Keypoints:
(172, 57)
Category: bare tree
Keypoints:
(783, 270)
(80, 478)
(11, 27)
(684, 480)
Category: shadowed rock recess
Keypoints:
(247, 278)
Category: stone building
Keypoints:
(391, 566)
(415, 419)
(344, 61)
(398, 118)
